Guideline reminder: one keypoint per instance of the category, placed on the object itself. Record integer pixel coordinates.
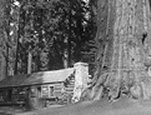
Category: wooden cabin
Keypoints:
(58, 85)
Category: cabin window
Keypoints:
(51, 90)
(33, 92)
(44, 91)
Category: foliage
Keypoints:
(53, 31)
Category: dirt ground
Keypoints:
(10, 110)
(13, 110)
(122, 107)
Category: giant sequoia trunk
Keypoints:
(124, 49)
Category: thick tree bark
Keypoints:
(124, 49)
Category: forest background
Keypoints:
(41, 35)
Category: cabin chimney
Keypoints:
(81, 79)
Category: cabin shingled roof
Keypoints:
(37, 78)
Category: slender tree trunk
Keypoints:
(124, 28)
(2, 66)
(17, 40)
(16, 58)
(65, 58)
(69, 36)
(29, 69)
(7, 61)
(69, 53)
(65, 53)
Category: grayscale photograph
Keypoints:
(75, 57)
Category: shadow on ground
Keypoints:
(3, 113)
(123, 106)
